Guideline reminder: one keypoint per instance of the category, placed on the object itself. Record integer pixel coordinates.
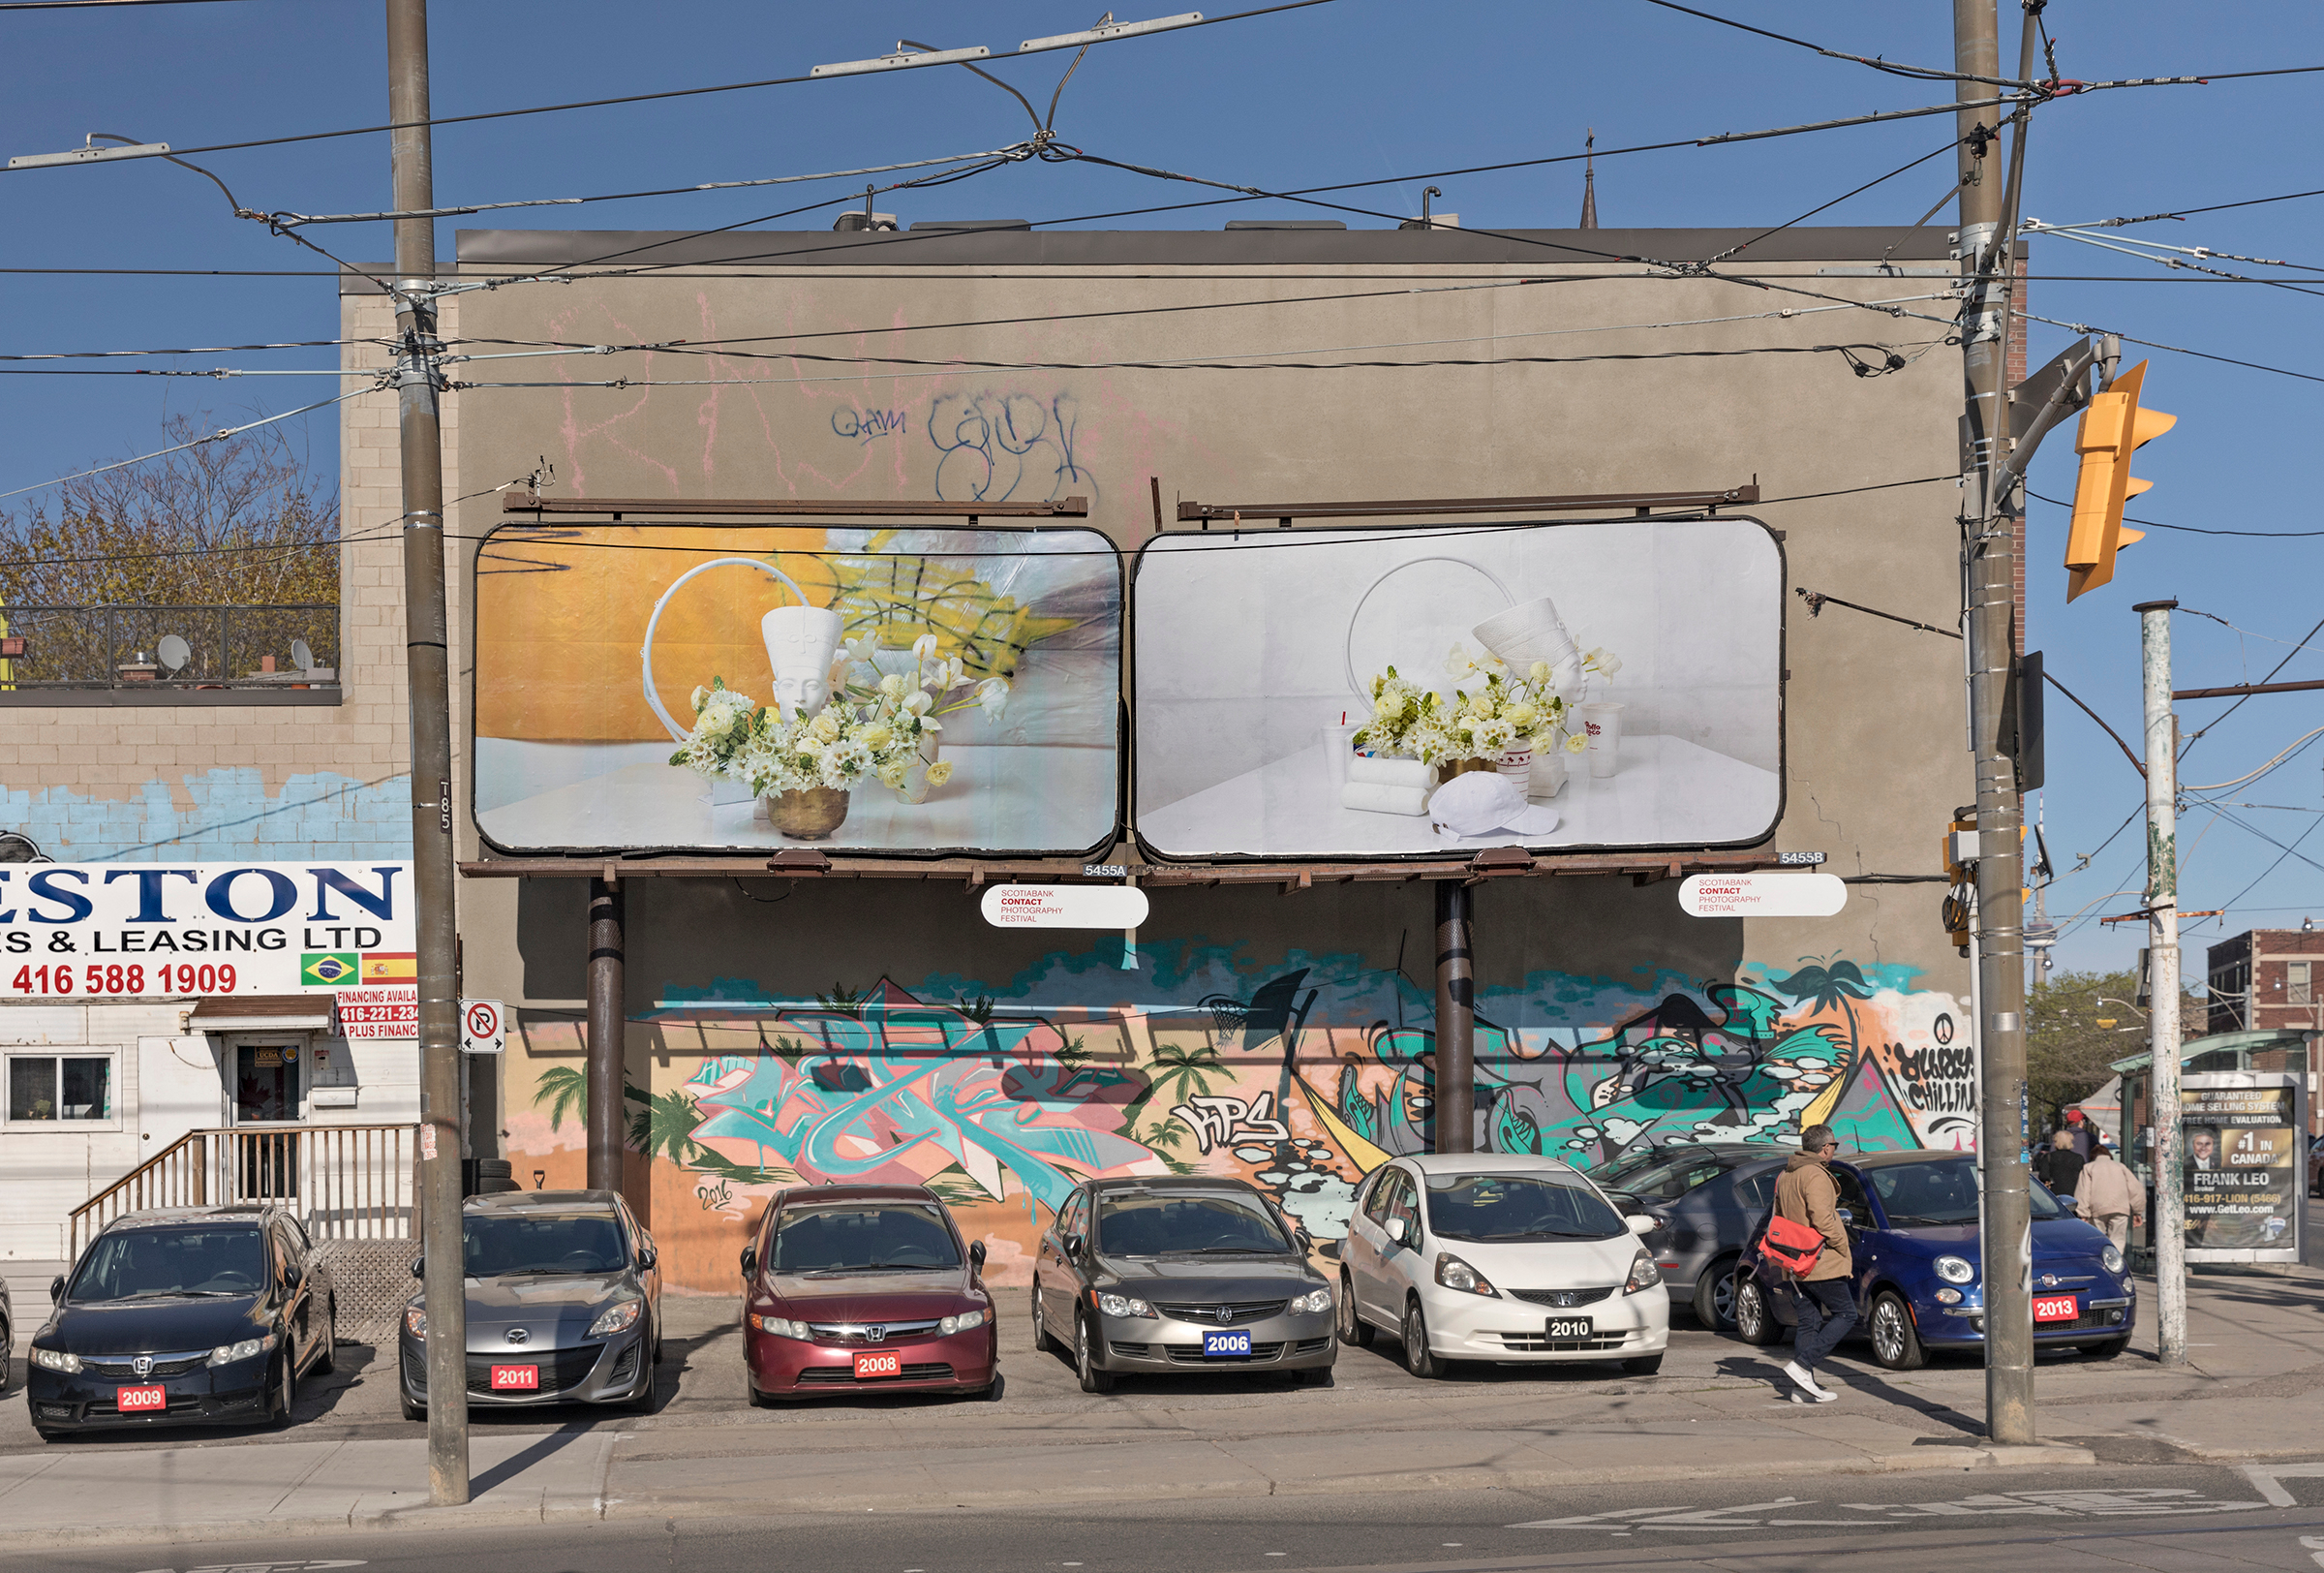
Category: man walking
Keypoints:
(2110, 1196)
(2059, 1165)
(1825, 1295)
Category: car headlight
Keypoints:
(615, 1319)
(963, 1322)
(2111, 1259)
(1313, 1300)
(782, 1328)
(415, 1321)
(1954, 1269)
(225, 1354)
(1644, 1275)
(1454, 1273)
(56, 1360)
(1122, 1305)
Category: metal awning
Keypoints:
(262, 1013)
(2257, 1041)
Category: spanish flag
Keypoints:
(391, 967)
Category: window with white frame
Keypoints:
(59, 1087)
(2296, 988)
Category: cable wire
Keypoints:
(216, 436)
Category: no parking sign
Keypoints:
(483, 1027)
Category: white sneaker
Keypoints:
(1805, 1380)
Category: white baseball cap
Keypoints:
(1480, 802)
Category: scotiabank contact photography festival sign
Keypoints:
(1329, 693)
(734, 687)
(116, 931)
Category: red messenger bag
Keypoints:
(1791, 1246)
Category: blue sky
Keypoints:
(1354, 89)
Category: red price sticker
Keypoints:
(878, 1365)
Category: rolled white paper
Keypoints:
(1372, 797)
(1377, 772)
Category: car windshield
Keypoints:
(1518, 1207)
(1218, 1224)
(871, 1237)
(1669, 1175)
(1939, 1193)
(154, 1264)
(509, 1244)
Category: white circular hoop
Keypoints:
(1347, 649)
(645, 654)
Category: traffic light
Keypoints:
(2112, 429)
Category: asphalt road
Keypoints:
(2170, 1517)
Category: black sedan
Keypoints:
(1706, 1198)
(564, 1304)
(204, 1315)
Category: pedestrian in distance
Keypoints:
(2058, 1165)
(2109, 1195)
(2084, 1135)
(1824, 1292)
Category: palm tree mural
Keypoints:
(564, 1090)
(666, 1125)
(1833, 988)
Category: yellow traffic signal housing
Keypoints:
(2112, 429)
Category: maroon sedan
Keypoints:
(864, 1289)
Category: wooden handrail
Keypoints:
(344, 1181)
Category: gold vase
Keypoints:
(1460, 767)
(808, 815)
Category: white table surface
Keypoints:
(1667, 792)
(1005, 799)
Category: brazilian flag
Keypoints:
(326, 969)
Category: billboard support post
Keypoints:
(427, 658)
(1455, 1020)
(608, 1018)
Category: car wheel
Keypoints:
(2107, 1351)
(1043, 1343)
(1894, 1343)
(1351, 1327)
(1645, 1365)
(1084, 1359)
(1316, 1376)
(1419, 1358)
(287, 1392)
(1714, 1295)
(329, 1361)
(1755, 1319)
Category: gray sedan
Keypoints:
(1705, 1200)
(564, 1304)
(1171, 1274)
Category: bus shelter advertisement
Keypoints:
(2242, 1174)
(177, 931)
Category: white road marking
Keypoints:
(2124, 1502)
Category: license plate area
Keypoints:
(1567, 1329)
(2056, 1307)
(1230, 1345)
(870, 1363)
(149, 1400)
(516, 1379)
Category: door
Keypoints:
(295, 1294)
(1395, 1272)
(1054, 1273)
(266, 1091)
(1366, 1243)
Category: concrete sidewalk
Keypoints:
(2248, 1393)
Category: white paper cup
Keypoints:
(1339, 747)
(1603, 722)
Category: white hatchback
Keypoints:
(1499, 1257)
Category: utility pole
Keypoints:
(2162, 987)
(1455, 1020)
(1988, 264)
(427, 657)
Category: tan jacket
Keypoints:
(1805, 1192)
(2107, 1187)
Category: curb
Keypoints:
(577, 1510)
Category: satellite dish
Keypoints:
(176, 653)
(301, 656)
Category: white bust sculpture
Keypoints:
(800, 643)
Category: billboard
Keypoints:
(163, 931)
(1384, 693)
(909, 692)
(2241, 1172)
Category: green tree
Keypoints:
(564, 1090)
(665, 1125)
(2072, 1039)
